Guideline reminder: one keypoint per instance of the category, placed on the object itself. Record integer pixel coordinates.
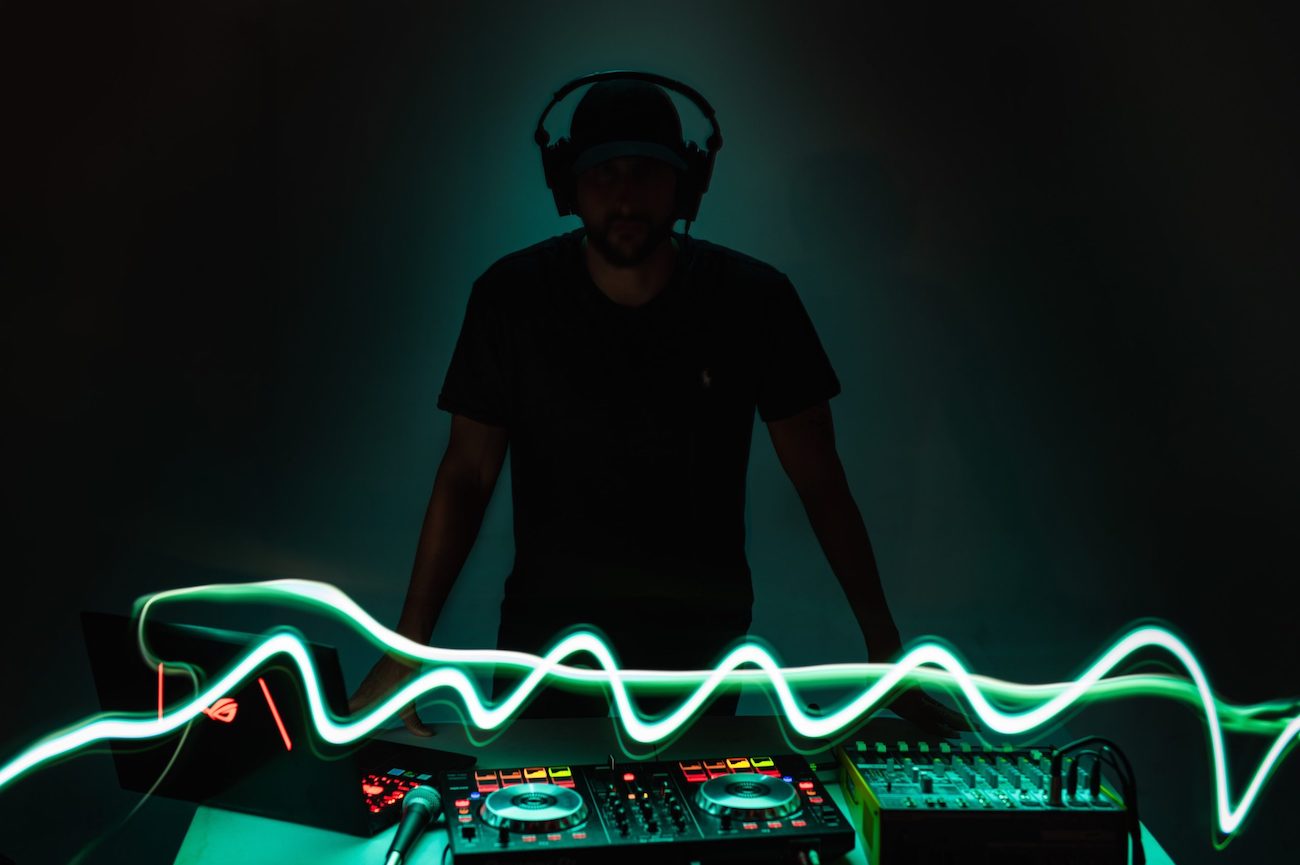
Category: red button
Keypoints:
(529, 838)
(806, 785)
(628, 776)
(465, 818)
(579, 836)
(774, 824)
(749, 825)
(816, 800)
(554, 837)
(462, 803)
(799, 823)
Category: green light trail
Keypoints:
(747, 662)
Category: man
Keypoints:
(622, 364)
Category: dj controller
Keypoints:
(734, 809)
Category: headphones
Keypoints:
(558, 158)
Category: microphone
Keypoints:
(419, 808)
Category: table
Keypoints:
(217, 836)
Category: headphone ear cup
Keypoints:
(692, 182)
(557, 162)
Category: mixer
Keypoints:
(923, 802)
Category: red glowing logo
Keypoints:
(223, 710)
(275, 713)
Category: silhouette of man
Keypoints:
(622, 364)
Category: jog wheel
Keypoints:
(536, 808)
(748, 796)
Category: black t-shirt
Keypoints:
(630, 427)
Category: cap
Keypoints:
(626, 117)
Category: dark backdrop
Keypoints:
(1051, 253)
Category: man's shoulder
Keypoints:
(739, 280)
(530, 262)
(735, 262)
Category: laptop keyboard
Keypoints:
(383, 791)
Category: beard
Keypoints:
(628, 248)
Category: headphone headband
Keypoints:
(557, 158)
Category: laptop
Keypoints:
(255, 749)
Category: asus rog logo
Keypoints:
(223, 710)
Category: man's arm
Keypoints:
(805, 445)
(461, 490)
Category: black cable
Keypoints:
(1128, 779)
(1126, 773)
(1098, 756)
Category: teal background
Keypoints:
(1050, 253)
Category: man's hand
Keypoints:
(914, 704)
(383, 679)
(930, 715)
(466, 476)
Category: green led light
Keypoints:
(926, 662)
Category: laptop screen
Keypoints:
(249, 749)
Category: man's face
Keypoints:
(627, 206)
